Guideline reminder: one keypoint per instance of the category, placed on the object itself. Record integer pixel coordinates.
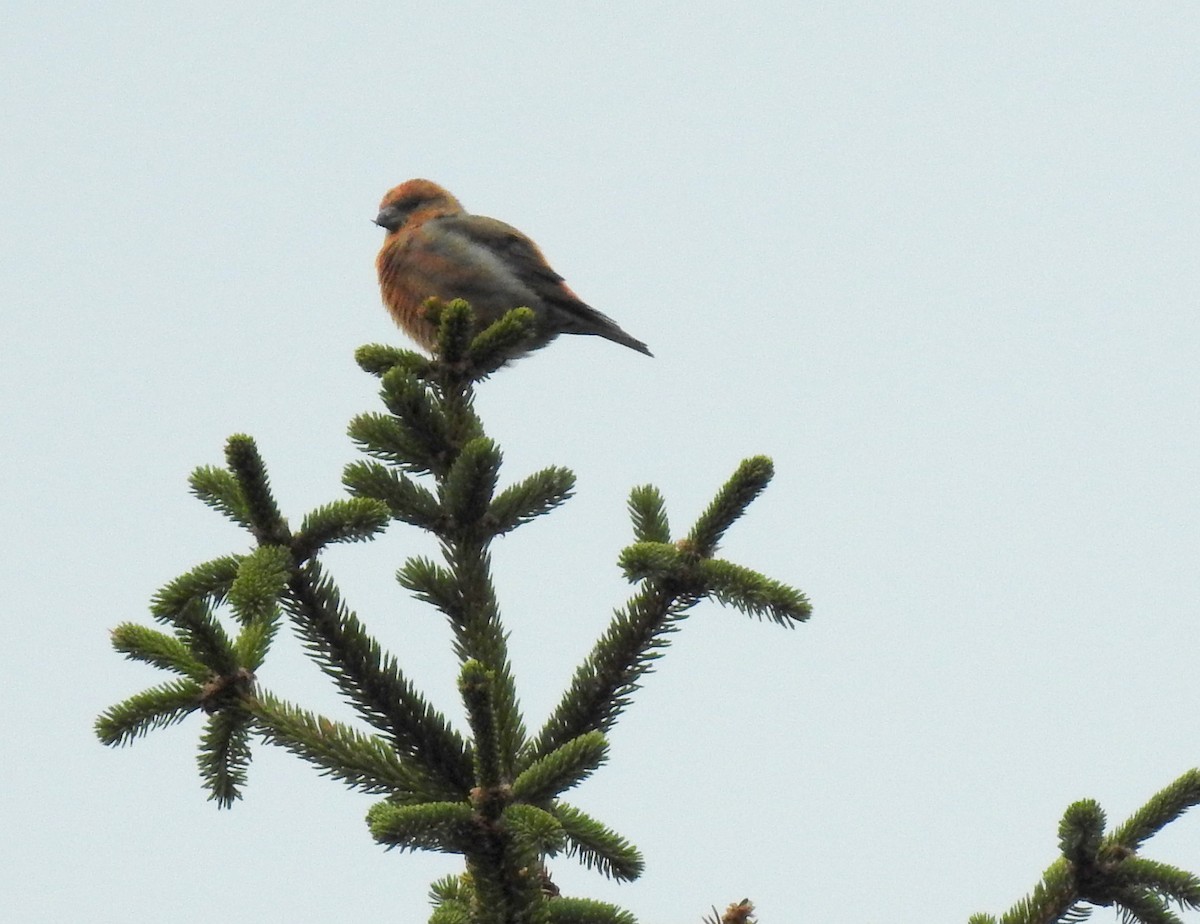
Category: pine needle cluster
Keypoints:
(492, 791)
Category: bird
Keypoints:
(434, 248)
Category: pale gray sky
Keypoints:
(937, 259)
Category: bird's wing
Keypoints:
(524, 260)
(518, 252)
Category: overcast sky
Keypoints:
(939, 260)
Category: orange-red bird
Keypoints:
(434, 247)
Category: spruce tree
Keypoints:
(492, 792)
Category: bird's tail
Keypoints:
(587, 320)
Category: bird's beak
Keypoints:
(389, 218)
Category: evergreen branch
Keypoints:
(446, 827)
(225, 755)
(1161, 809)
(254, 597)
(1105, 871)
(143, 712)
(645, 560)
(442, 793)
(536, 828)
(451, 914)
(450, 889)
(227, 692)
(476, 684)
(456, 330)
(451, 897)
(261, 579)
(411, 402)
(217, 488)
(1077, 913)
(373, 681)
(253, 643)
(751, 477)
(385, 437)
(140, 643)
(1175, 884)
(505, 877)
(522, 502)
(356, 519)
(753, 593)
(421, 417)
(205, 638)
(1081, 831)
(213, 579)
(378, 359)
(1142, 907)
(1049, 900)
(479, 635)
(266, 522)
(596, 846)
(497, 344)
(432, 584)
(466, 469)
(569, 910)
(431, 310)
(470, 483)
(604, 682)
(452, 386)
(561, 769)
(405, 499)
(367, 763)
(649, 513)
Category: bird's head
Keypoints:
(411, 197)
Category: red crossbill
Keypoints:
(435, 248)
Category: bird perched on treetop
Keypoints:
(435, 248)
